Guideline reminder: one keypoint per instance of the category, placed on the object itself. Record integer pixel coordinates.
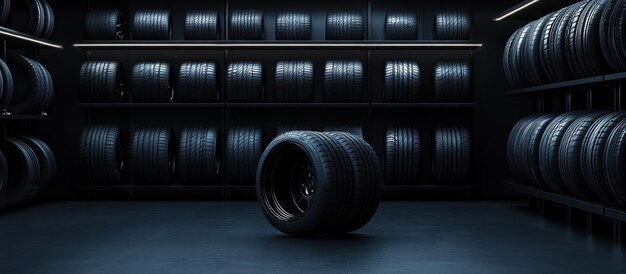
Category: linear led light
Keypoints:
(196, 45)
(516, 10)
(30, 39)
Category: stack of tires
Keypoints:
(27, 167)
(343, 81)
(26, 86)
(34, 17)
(578, 41)
(576, 153)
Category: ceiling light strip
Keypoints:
(516, 10)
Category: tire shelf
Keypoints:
(424, 105)
(275, 105)
(24, 117)
(297, 105)
(150, 105)
(16, 39)
(266, 44)
(569, 84)
(148, 187)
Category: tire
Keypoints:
(592, 156)
(24, 172)
(151, 83)
(451, 157)
(452, 25)
(530, 143)
(202, 25)
(243, 150)
(546, 41)
(103, 24)
(35, 92)
(507, 61)
(613, 35)
(574, 50)
(246, 24)
(49, 22)
(517, 62)
(343, 81)
(322, 172)
(452, 82)
(514, 144)
(401, 25)
(280, 130)
(5, 7)
(559, 47)
(614, 161)
(244, 82)
(402, 82)
(197, 158)
(402, 156)
(152, 159)
(589, 50)
(549, 151)
(27, 16)
(7, 86)
(101, 155)
(198, 82)
(345, 25)
(293, 25)
(570, 156)
(101, 82)
(45, 157)
(532, 54)
(353, 130)
(152, 25)
(294, 81)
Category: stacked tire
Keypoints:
(451, 155)
(452, 25)
(403, 151)
(452, 81)
(402, 82)
(312, 182)
(294, 81)
(102, 154)
(152, 25)
(345, 25)
(103, 24)
(101, 82)
(343, 81)
(246, 24)
(34, 17)
(152, 153)
(197, 82)
(244, 146)
(202, 25)
(576, 153)
(30, 95)
(354, 130)
(244, 82)
(293, 25)
(401, 25)
(198, 156)
(151, 82)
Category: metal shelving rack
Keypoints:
(227, 46)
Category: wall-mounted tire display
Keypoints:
(451, 155)
(244, 82)
(403, 153)
(452, 25)
(101, 155)
(7, 86)
(293, 81)
(246, 24)
(101, 82)
(401, 25)
(293, 25)
(402, 82)
(151, 82)
(345, 25)
(343, 81)
(152, 159)
(202, 25)
(32, 17)
(103, 24)
(33, 93)
(198, 82)
(152, 25)
(452, 82)
(244, 146)
(311, 183)
(197, 160)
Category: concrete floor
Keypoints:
(233, 237)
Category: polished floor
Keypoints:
(233, 237)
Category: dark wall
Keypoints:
(490, 121)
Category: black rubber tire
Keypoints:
(368, 176)
(570, 156)
(588, 48)
(243, 150)
(345, 25)
(452, 25)
(353, 130)
(4, 176)
(152, 160)
(403, 153)
(508, 56)
(45, 157)
(24, 172)
(198, 156)
(401, 25)
(101, 82)
(198, 82)
(244, 82)
(27, 16)
(547, 41)
(402, 82)
(202, 25)
(35, 92)
(452, 82)
(451, 155)
(549, 151)
(103, 24)
(613, 34)
(49, 22)
(532, 54)
(559, 46)
(287, 128)
(293, 25)
(151, 82)
(614, 161)
(152, 25)
(530, 142)
(343, 81)
(5, 7)
(513, 147)
(517, 62)
(574, 50)
(7, 86)
(246, 24)
(102, 155)
(592, 155)
(293, 81)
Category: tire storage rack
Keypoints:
(12, 124)
(598, 95)
(266, 115)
